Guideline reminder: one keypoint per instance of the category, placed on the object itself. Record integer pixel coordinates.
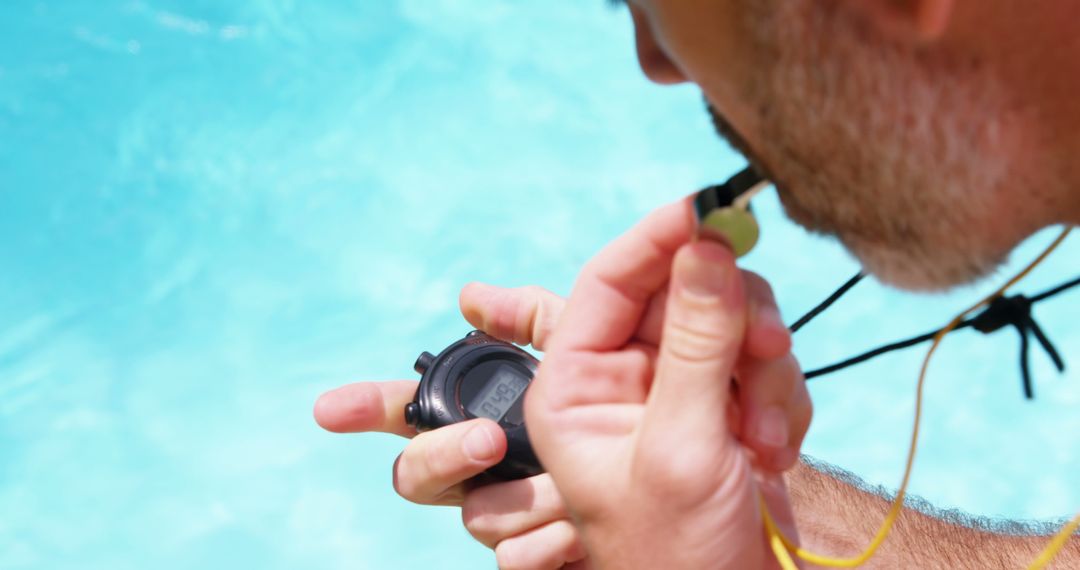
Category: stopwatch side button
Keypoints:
(412, 413)
(423, 362)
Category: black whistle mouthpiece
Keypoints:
(724, 195)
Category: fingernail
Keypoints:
(768, 314)
(478, 444)
(772, 427)
(706, 269)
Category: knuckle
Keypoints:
(478, 521)
(755, 282)
(404, 483)
(787, 382)
(526, 553)
(426, 464)
(534, 292)
(573, 366)
(507, 556)
(694, 343)
(537, 321)
(504, 317)
(800, 410)
(591, 267)
(442, 460)
(572, 378)
(794, 374)
(529, 309)
(775, 381)
(549, 499)
(804, 414)
(758, 289)
(472, 514)
(541, 403)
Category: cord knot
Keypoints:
(1015, 310)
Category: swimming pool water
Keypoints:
(212, 212)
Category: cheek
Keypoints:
(711, 44)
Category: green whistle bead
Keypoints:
(735, 225)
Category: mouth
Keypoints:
(737, 141)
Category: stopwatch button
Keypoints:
(424, 362)
(472, 334)
(412, 413)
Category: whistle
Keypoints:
(723, 211)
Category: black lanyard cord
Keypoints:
(820, 308)
(1014, 310)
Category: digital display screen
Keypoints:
(500, 393)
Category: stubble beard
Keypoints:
(895, 153)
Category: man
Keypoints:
(929, 136)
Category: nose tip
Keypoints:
(655, 63)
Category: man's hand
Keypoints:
(526, 521)
(633, 431)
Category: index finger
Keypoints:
(614, 288)
(367, 406)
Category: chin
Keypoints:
(925, 269)
(918, 257)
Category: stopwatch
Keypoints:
(478, 376)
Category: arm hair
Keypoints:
(838, 514)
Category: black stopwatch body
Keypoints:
(478, 376)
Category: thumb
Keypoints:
(702, 338)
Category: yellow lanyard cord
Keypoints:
(782, 546)
(1056, 544)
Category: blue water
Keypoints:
(211, 212)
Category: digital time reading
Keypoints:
(501, 391)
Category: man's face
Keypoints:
(900, 152)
